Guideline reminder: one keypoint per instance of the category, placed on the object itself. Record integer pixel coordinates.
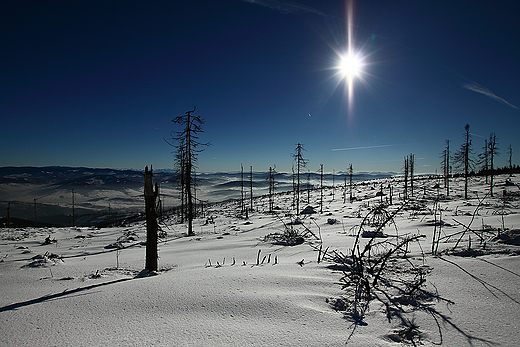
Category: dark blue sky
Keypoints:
(97, 83)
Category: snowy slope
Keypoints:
(228, 286)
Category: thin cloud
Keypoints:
(285, 7)
(475, 87)
(363, 147)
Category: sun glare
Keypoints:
(350, 65)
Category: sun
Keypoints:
(350, 65)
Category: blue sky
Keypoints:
(97, 83)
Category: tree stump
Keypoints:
(151, 220)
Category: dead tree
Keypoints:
(187, 143)
(493, 151)
(333, 183)
(406, 167)
(321, 188)
(463, 158)
(350, 173)
(345, 189)
(484, 160)
(308, 187)
(242, 204)
(445, 166)
(271, 187)
(251, 187)
(300, 164)
(411, 169)
(150, 196)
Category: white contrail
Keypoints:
(364, 147)
(475, 87)
(285, 7)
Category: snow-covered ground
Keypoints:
(229, 285)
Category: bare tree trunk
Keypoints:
(151, 220)
(411, 168)
(492, 153)
(242, 205)
(406, 165)
(466, 162)
(321, 189)
(350, 172)
(251, 186)
(271, 188)
(447, 169)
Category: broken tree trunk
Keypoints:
(151, 220)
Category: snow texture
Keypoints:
(231, 285)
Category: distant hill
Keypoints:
(102, 194)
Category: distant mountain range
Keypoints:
(46, 194)
(81, 176)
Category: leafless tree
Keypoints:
(242, 204)
(463, 158)
(411, 169)
(406, 170)
(251, 187)
(350, 173)
(321, 188)
(271, 187)
(445, 166)
(187, 144)
(300, 162)
(493, 152)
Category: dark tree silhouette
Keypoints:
(463, 158)
(406, 170)
(411, 169)
(321, 188)
(251, 186)
(350, 172)
(445, 166)
(271, 187)
(187, 144)
(300, 164)
(493, 152)
(242, 204)
(150, 196)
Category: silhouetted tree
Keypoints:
(333, 184)
(321, 188)
(150, 196)
(411, 169)
(300, 164)
(308, 187)
(251, 186)
(242, 204)
(271, 187)
(187, 144)
(493, 152)
(180, 169)
(445, 166)
(510, 150)
(463, 158)
(406, 170)
(350, 173)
